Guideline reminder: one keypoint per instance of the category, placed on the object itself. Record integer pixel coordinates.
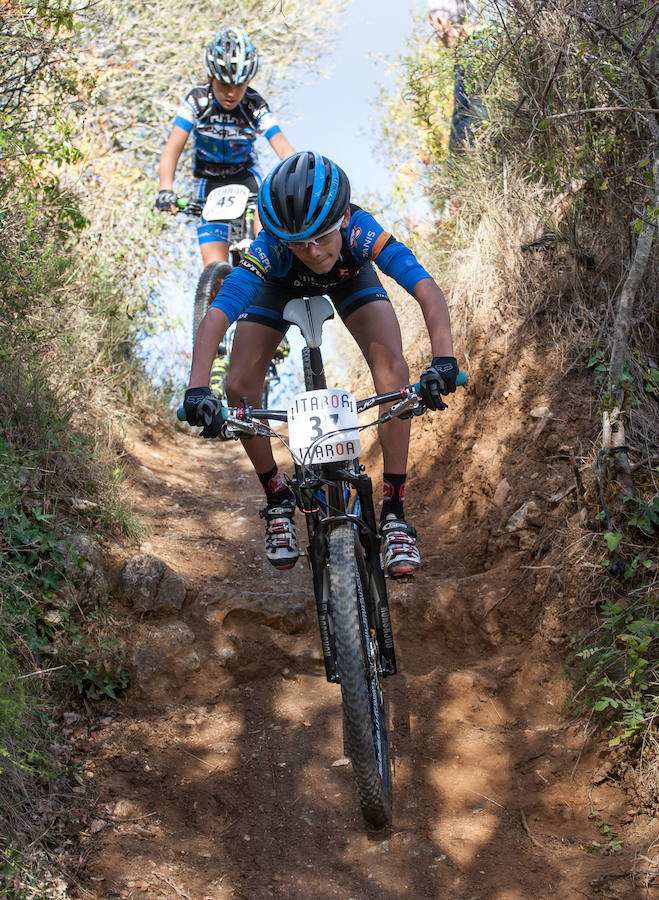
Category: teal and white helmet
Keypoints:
(231, 57)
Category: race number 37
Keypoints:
(323, 427)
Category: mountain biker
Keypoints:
(224, 116)
(315, 241)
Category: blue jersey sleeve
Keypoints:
(369, 241)
(186, 116)
(238, 291)
(398, 261)
(266, 258)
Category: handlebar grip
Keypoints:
(460, 381)
(180, 414)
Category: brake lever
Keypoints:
(411, 403)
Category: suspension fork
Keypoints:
(309, 503)
(378, 614)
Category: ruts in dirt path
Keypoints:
(222, 771)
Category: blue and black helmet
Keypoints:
(231, 57)
(304, 195)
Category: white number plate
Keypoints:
(226, 202)
(322, 427)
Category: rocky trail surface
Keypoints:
(221, 773)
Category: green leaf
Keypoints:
(612, 539)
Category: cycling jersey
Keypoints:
(224, 138)
(269, 263)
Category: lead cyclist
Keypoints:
(224, 116)
(314, 240)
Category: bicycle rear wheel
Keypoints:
(364, 710)
(208, 285)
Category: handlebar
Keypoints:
(196, 207)
(189, 206)
(408, 399)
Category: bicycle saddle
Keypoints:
(309, 314)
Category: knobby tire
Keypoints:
(313, 381)
(208, 285)
(364, 711)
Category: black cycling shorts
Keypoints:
(347, 297)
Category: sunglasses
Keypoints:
(320, 240)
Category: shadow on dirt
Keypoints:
(232, 780)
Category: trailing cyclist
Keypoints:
(224, 116)
(315, 241)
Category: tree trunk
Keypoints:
(613, 425)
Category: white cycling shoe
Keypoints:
(280, 536)
(400, 554)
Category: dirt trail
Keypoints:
(230, 778)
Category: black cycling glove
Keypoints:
(439, 378)
(165, 200)
(193, 397)
(202, 408)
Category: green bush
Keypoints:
(617, 668)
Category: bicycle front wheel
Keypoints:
(364, 710)
(313, 369)
(210, 281)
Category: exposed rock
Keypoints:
(166, 650)
(224, 656)
(526, 539)
(209, 601)
(54, 616)
(552, 443)
(275, 611)
(529, 513)
(535, 515)
(125, 809)
(501, 493)
(82, 505)
(150, 585)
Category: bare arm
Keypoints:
(211, 331)
(430, 298)
(279, 143)
(170, 156)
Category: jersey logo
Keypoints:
(250, 263)
(355, 234)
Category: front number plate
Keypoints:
(323, 427)
(226, 202)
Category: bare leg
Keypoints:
(253, 347)
(376, 330)
(215, 251)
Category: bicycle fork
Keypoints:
(377, 606)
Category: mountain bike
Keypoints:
(235, 204)
(334, 493)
